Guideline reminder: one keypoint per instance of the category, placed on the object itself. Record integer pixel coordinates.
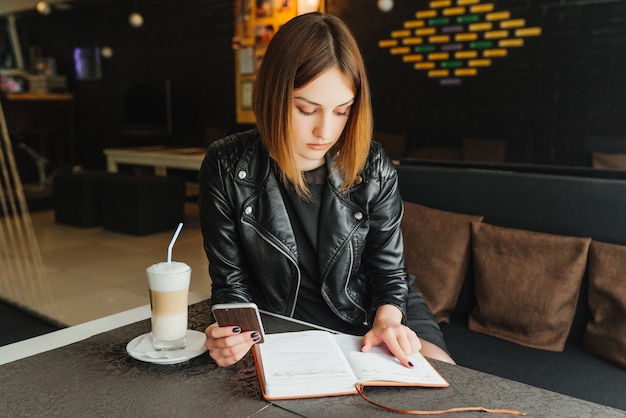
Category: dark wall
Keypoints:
(187, 42)
(544, 98)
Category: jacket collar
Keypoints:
(254, 170)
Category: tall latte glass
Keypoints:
(169, 290)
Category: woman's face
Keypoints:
(319, 115)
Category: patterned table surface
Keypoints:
(96, 377)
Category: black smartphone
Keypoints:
(243, 315)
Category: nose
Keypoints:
(323, 127)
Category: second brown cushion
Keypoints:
(605, 334)
(527, 284)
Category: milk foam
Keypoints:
(165, 277)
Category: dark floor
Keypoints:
(17, 324)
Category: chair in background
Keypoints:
(142, 204)
(434, 153)
(393, 143)
(493, 150)
(606, 151)
(78, 198)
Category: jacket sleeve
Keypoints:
(384, 252)
(218, 218)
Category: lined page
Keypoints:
(306, 354)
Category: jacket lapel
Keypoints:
(338, 223)
(269, 214)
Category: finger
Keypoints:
(398, 352)
(405, 344)
(229, 350)
(409, 342)
(229, 355)
(215, 331)
(416, 343)
(217, 337)
(370, 340)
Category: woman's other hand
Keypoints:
(400, 339)
(388, 329)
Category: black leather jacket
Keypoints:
(251, 246)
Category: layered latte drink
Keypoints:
(169, 289)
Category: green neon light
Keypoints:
(438, 21)
(468, 19)
(451, 64)
(481, 44)
(425, 48)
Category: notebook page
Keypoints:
(304, 355)
(379, 364)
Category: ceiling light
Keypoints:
(43, 8)
(385, 5)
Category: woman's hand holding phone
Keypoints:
(237, 329)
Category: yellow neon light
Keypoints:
(386, 43)
(439, 39)
(466, 37)
(490, 53)
(422, 14)
(464, 72)
(440, 4)
(513, 23)
(528, 32)
(479, 63)
(482, 8)
(466, 54)
(438, 73)
(454, 11)
(498, 15)
(480, 26)
(438, 56)
(400, 50)
(495, 34)
(400, 33)
(412, 24)
(424, 65)
(412, 58)
(508, 43)
(425, 31)
(412, 41)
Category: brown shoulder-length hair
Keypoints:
(301, 50)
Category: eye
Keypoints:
(343, 112)
(306, 112)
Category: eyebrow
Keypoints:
(317, 104)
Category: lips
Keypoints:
(318, 147)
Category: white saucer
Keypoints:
(140, 348)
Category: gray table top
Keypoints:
(96, 377)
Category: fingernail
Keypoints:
(255, 335)
(410, 364)
(236, 330)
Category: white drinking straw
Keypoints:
(169, 248)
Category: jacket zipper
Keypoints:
(283, 252)
(345, 289)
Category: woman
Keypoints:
(302, 215)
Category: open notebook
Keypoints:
(318, 363)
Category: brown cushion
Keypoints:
(605, 334)
(526, 284)
(437, 251)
